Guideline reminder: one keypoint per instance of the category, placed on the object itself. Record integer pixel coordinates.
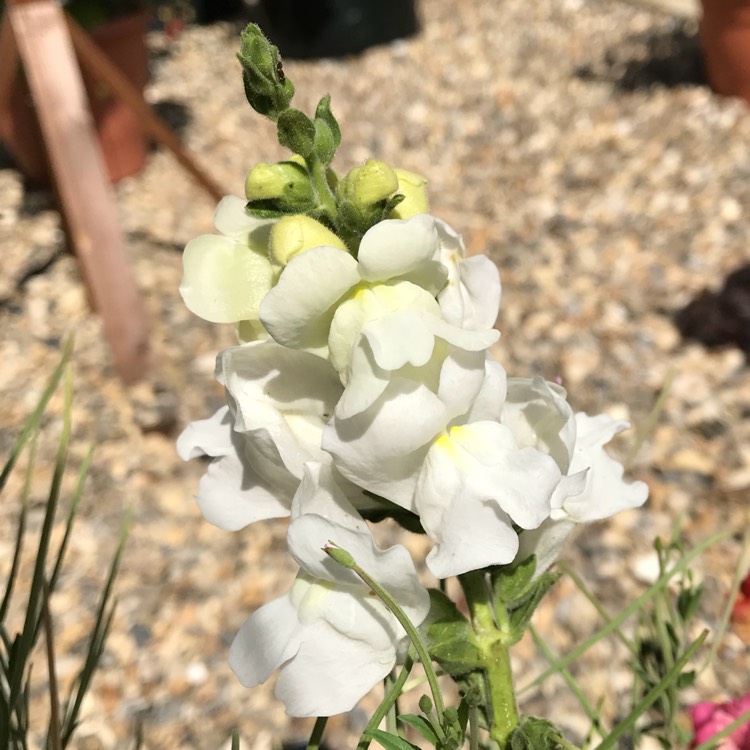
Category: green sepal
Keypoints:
(390, 741)
(324, 114)
(510, 583)
(521, 610)
(296, 131)
(421, 725)
(266, 210)
(536, 734)
(449, 637)
(325, 147)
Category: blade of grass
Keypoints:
(53, 733)
(33, 611)
(633, 607)
(77, 494)
(21, 531)
(596, 604)
(102, 625)
(739, 573)
(33, 420)
(652, 696)
(575, 688)
(648, 424)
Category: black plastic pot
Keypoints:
(333, 28)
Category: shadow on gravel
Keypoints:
(174, 113)
(667, 57)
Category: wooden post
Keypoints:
(102, 68)
(83, 186)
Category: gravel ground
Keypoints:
(575, 143)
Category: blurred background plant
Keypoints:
(17, 650)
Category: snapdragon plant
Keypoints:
(362, 388)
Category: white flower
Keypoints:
(331, 639)
(595, 489)
(227, 275)
(260, 444)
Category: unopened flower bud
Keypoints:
(286, 181)
(292, 235)
(364, 186)
(414, 189)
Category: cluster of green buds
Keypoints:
(313, 206)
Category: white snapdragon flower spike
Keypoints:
(226, 276)
(330, 638)
(261, 442)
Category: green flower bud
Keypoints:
(414, 189)
(292, 235)
(286, 181)
(364, 186)
(267, 89)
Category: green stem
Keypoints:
(495, 655)
(346, 560)
(317, 733)
(326, 199)
(389, 700)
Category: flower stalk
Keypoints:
(492, 631)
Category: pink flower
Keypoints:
(710, 718)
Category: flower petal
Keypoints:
(224, 280)
(232, 220)
(382, 448)
(231, 494)
(606, 492)
(297, 312)
(268, 639)
(396, 247)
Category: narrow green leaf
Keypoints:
(652, 696)
(21, 529)
(97, 639)
(520, 616)
(628, 611)
(391, 741)
(421, 725)
(33, 421)
(511, 582)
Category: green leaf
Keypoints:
(520, 616)
(511, 582)
(296, 132)
(421, 725)
(390, 741)
(449, 637)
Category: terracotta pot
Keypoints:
(124, 145)
(725, 40)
